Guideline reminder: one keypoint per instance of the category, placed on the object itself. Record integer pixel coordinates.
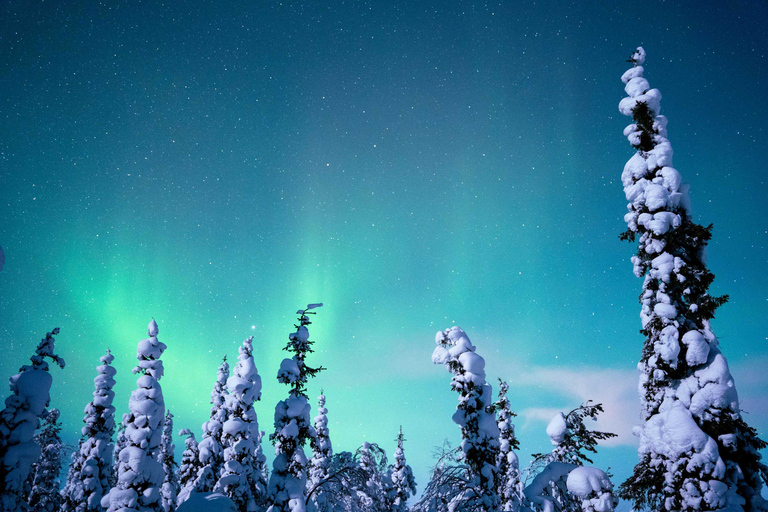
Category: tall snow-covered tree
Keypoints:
(170, 487)
(190, 459)
(30, 395)
(240, 432)
(696, 452)
(91, 470)
(120, 442)
(475, 416)
(322, 453)
(139, 474)
(509, 471)
(210, 449)
(44, 494)
(288, 482)
(403, 482)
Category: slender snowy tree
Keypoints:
(403, 482)
(288, 482)
(322, 452)
(510, 490)
(696, 452)
(30, 396)
(120, 442)
(475, 416)
(210, 447)
(44, 495)
(240, 432)
(139, 474)
(91, 470)
(372, 460)
(190, 459)
(170, 486)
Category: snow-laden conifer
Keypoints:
(372, 460)
(570, 439)
(322, 452)
(170, 486)
(44, 490)
(30, 395)
(240, 432)
(90, 473)
(190, 459)
(210, 450)
(403, 482)
(139, 474)
(696, 452)
(120, 442)
(288, 482)
(475, 416)
(510, 489)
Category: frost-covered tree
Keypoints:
(139, 474)
(447, 481)
(240, 433)
(44, 494)
(475, 416)
(372, 460)
(510, 488)
(696, 452)
(570, 439)
(91, 470)
(403, 483)
(210, 450)
(190, 459)
(120, 442)
(288, 482)
(322, 452)
(30, 395)
(170, 486)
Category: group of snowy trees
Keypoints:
(696, 452)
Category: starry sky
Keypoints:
(411, 164)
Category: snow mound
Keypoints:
(584, 480)
(207, 502)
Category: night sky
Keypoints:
(411, 164)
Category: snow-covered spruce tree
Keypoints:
(475, 416)
(322, 452)
(139, 474)
(288, 482)
(210, 450)
(44, 495)
(240, 433)
(190, 459)
(570, 439)
(120, 442)
(91, 470)
(403, 483)
(696, 452)
(593, 487)
(372, 460)
(170, 486)
(510, 489)
(30, 396)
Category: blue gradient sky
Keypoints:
(218, 165)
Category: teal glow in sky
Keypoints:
(413, 165)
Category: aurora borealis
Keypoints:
(413, 165)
